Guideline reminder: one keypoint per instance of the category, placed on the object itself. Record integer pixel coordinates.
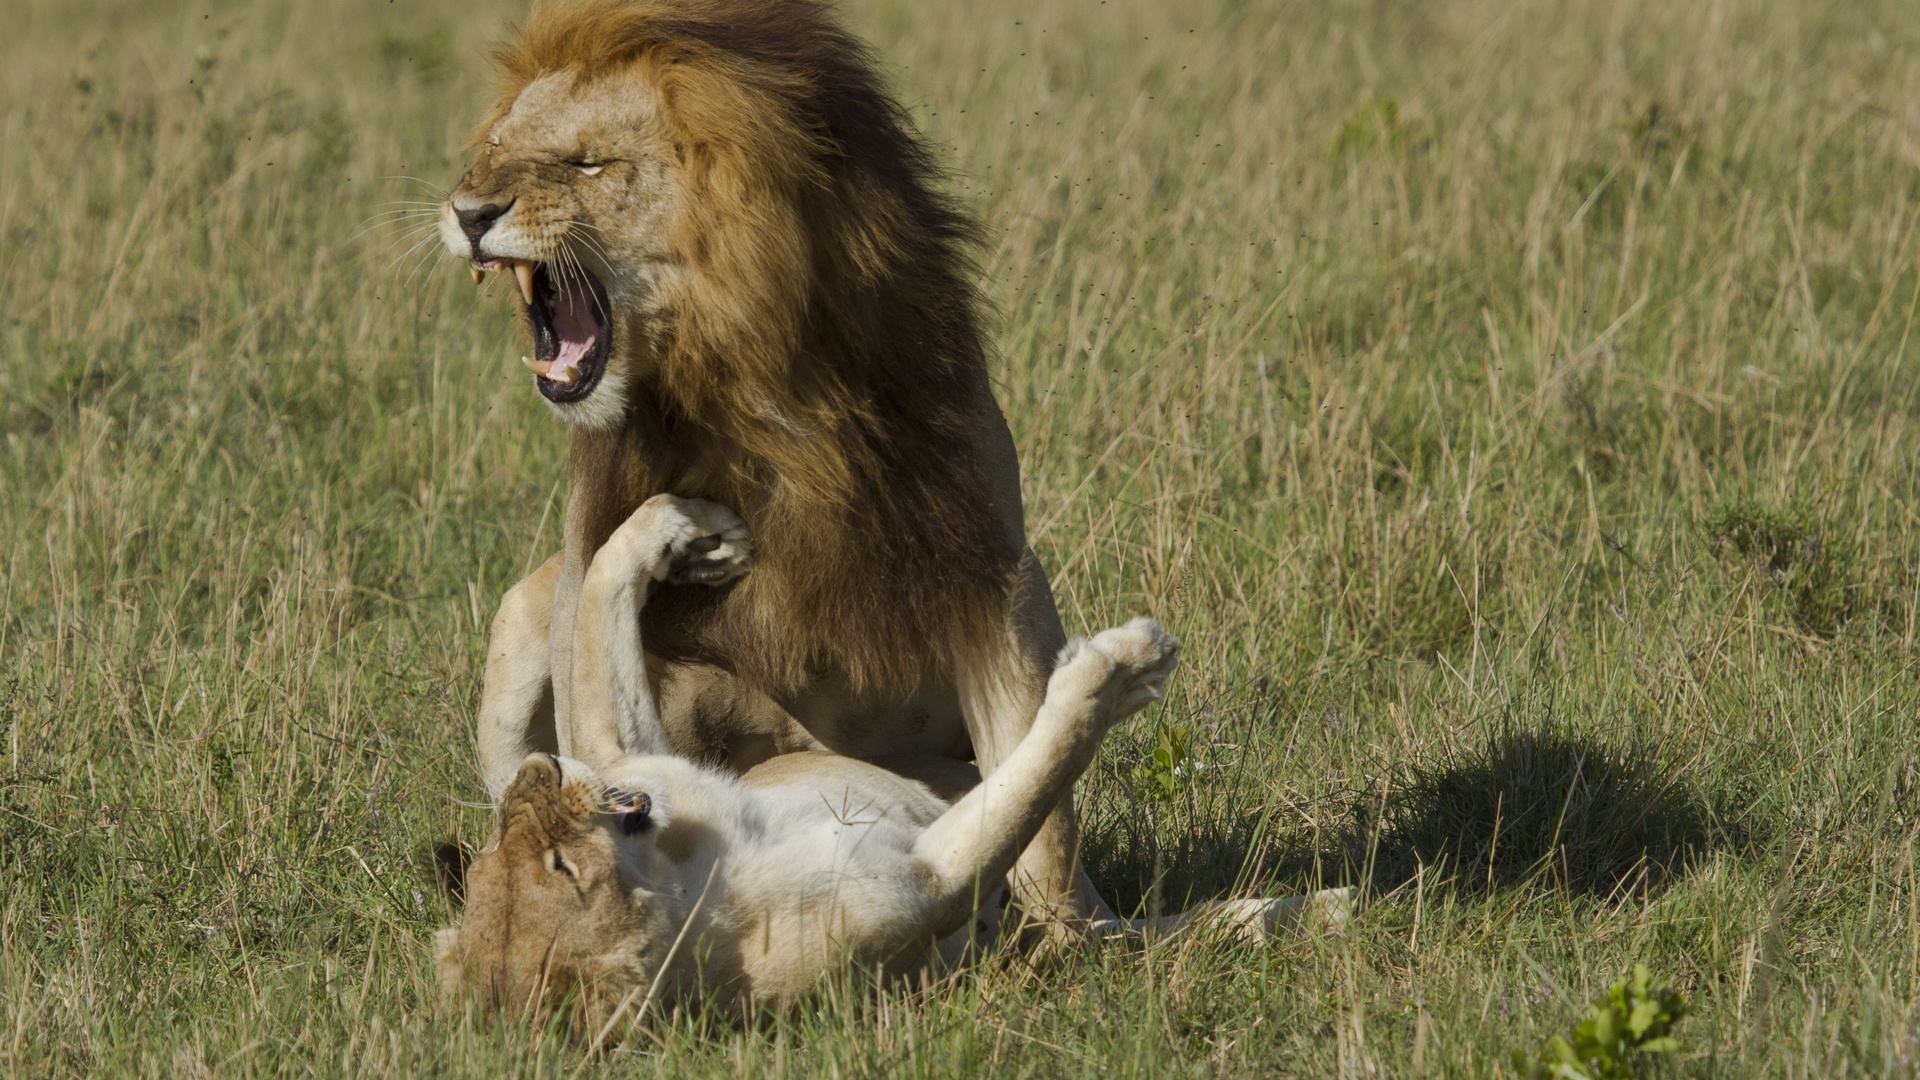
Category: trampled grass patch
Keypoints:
(1513, 408)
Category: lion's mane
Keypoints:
(821, 369)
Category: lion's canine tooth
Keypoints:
(538, 367)
(523, 273)
(479, 275)
(560, 373)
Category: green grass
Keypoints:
(1514, 407)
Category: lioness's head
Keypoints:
(554, 907)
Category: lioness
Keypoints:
(643, 875)
(742, 284)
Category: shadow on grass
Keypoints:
(1539, 802)
(1521, 803)
(1142, 868)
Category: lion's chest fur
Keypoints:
(711, 715)
(867, 577)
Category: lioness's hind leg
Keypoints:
(1097, 684)
(1001, 685)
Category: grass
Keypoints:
(1514, 407)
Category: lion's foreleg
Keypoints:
(1096, 685)
(516, 697)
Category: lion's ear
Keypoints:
(450, 862)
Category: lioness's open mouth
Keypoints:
(571, 331)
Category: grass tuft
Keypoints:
(1811, 571)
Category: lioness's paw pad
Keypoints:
(1140, 645)
(1143, 656)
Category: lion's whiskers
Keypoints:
(439, 193)
(584, 232)
(421, 248)
(413, 220)
(412, 248)
(418, 222)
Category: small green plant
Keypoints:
(1635, 1018)
(1170, 763)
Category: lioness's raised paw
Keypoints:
(683, 542)
(706, 543)
(1143, 656)
(1124, 668)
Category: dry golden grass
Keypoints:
(1513, 406)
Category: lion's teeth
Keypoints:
(560, 373)
(538, 367)
(479, 275)
(523, 273)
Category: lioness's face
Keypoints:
(552, 907)
(571, 195)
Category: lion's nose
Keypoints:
(476, 220)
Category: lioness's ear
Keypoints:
(450, 862)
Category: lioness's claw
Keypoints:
(704, 543)
(711, 560)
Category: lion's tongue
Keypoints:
(577, 328)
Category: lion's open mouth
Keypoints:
(567, 310)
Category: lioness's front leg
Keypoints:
(516, 697)
(1096, 684)
(668, 539)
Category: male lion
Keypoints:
(652, 875)
(742, 285)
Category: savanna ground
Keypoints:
(1513, 405)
